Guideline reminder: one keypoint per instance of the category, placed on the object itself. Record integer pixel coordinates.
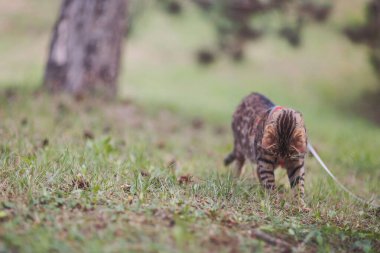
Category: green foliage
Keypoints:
(238, 22)
(368, 33)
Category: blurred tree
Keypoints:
(234, 21)
(86, 47)
(369, 34)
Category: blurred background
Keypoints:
(204, 56)
(200, 58)
(115, 119)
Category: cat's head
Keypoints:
(285, 133)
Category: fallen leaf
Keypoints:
(87, 134)
(24, 121)
(126, 187)
(106, 129)
(3, 215)
(229, 221)
(197, 123)
(80, 182)
(144, 173)
(161, 145)
(185, 179)
(45, 142)
(130, 199)
(172, 164)
(220, 130)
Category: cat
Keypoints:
(269, 136)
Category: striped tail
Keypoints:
(229, 159)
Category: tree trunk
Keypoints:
(86, 47)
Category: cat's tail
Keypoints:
(229, 159)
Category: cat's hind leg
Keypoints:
(239, 161)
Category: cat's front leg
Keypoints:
(296, 175)
(265, 172)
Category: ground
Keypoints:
(145, 173)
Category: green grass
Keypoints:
(125, 189)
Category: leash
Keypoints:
(315, 154)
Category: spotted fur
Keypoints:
(269, 137)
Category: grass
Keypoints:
(145, 173)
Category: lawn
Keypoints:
(145, 173)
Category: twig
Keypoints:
(271, 240)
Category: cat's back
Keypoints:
(245, 122)
(252, 106)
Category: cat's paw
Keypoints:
(304, 209)
(300, 204)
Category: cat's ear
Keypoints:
(299, 140)
(268, 137)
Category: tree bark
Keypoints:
(86, 47)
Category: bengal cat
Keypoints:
(269, 136)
